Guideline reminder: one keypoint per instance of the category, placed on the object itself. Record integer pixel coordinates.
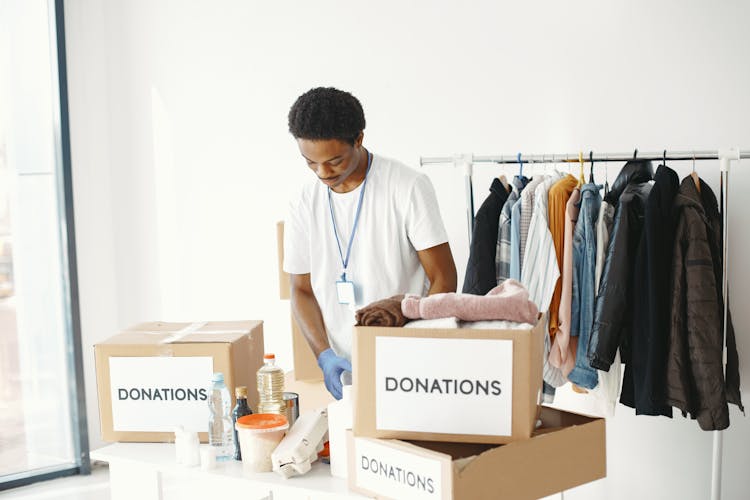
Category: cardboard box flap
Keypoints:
(456, 451)
(173, 333)
(555, 420)
(462, 454)
(578, 438)
(552, 421)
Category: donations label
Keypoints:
(154, 394)
(395, 473)
(450, 386)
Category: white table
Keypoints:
(148, 471)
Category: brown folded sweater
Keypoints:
(386, 312)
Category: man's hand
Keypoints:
(333, 366)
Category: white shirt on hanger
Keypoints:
(540, 270)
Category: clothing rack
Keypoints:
(725, 157)
(467, 161)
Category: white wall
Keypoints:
(183, 163)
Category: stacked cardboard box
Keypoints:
(453, 414)
(433, 406)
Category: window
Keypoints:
(41, 415)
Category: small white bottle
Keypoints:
(179, 444)
(340, 416)
(192, 449)
(187, 447)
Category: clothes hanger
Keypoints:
(581, 178)
(554, 165)
(591, 171)
(520, 165)
(694, 175)
(606, 175)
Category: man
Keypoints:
(366, 229)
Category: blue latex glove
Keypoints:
(333, 366)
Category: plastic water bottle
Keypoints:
(220, 434)
(270, 380)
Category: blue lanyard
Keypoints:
(345, 261)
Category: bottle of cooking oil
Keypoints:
(271, 387)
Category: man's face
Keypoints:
(332, 160)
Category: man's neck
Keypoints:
(356, 178)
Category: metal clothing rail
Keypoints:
(467, 161)
(574, 157)
(725, 157)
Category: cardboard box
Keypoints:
(569, 450)
(459, 385)
(305, 365)
(284, 291)
(154, 376)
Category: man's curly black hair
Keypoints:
(326, 113)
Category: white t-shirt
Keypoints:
(399, 217)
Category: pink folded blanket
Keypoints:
(507, 301)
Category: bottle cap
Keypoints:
(269, 355)
(240, 391)
(218, 377)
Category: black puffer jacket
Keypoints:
(644, 383)
(480, 275)
(695, 367)
(613, 312)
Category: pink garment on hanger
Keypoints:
(507, 301)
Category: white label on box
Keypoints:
(154, 394)
(395, 473)
(452, 386)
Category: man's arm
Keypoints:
(438, 263)
(307, 313)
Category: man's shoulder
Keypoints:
(304, 196)
(396, 173)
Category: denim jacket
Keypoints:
(584, 292)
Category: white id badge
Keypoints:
(345, 292)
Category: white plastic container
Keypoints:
(259, 435)
(340, 415)
(187, 447)
(208, 458)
